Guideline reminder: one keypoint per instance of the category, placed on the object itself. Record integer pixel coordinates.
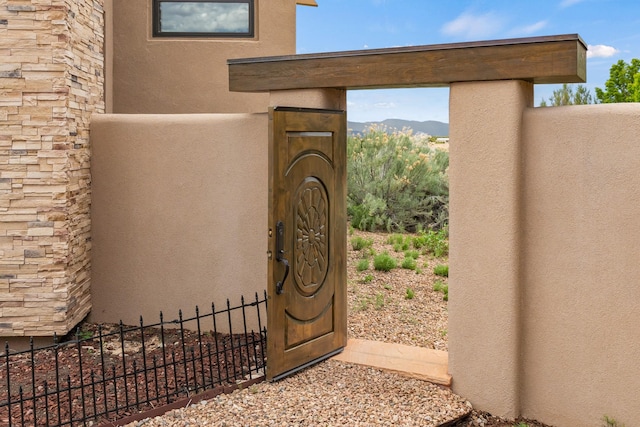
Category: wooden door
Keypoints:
(307, 309)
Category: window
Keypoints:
(203, 18)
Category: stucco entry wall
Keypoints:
(485, 185)
(581, 264)
(544, 302)
(178, 214)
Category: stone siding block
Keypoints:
(52, 68)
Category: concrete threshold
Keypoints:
(414, 362)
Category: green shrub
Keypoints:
(409, 263)
(611, 422)
(435, 242)
(379, 301)
(395, 182)
(411, 254)
(368, 278)
(441, 270)
(363, 264)
(409, 294)
(358, 243)
(395, 239)
(384, 262)
(363, 304)
(440, 286)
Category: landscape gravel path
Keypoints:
(329, 394)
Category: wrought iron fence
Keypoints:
(107, 372)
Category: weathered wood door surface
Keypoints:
(307, 245)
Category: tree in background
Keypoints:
(623, 84)
(567, 96)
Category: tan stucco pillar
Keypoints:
(485, 188)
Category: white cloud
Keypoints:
(204, 17)
(567, 3)
(530, 29)
(385, 105)
(472, 26)
(601, 51)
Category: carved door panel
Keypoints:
(307, 294)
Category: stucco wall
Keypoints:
(179, 213)
(187, 75)
(544, 303)
(484, 292)
(581, 264)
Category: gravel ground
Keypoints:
(333, 393)
(379, 309)
(329, 394)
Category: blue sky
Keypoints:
(611, 28)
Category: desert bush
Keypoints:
(409, 263)
(362, 265)
(358, 243)
(441, 270)
(384, 262)
(440, 286)
(396, 182)
(436, 242)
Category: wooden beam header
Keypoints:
(549, 59)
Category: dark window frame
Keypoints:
(157, 31)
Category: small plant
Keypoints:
(409, 294)
(358, 243)
(363, 304)
(440, 286)
(409, 263)
(379, 301)
(363, 264)
(435, 242)
(368, 278)
(384, 262)
(395, 239)
(521, 424)
(388, 286)
(441, 270)
(443, 333)
(84, 335)
(412, 253)
(611, 422)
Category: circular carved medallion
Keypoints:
(311, 234)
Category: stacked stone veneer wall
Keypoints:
(51, 81)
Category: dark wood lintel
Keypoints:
(550, 59)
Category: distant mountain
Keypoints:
(431, 127)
